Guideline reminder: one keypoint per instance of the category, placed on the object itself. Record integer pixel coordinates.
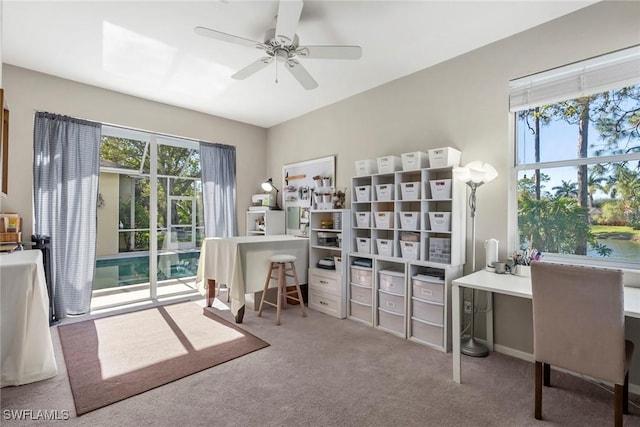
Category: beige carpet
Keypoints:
(113, 358)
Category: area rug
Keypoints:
(113, 358)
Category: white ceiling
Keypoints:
(149, 49)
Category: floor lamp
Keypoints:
(474, 175)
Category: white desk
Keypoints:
(507, 284)
(27, 349)
(242, 263)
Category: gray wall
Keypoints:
(461, 103)
(28, 91)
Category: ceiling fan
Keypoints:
(281, 44)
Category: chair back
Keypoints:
(578, 319)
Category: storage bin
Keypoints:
(440, 189)
(383, 219)
(440, 221)
(409, 220)
(385, 247)
(391, 302)
(361, 276)
(414, 161)
(389, 164)
(361, 294)
(410, 250)
(428, 288)
(391, 281)
(361, 311)
(444, 157)
(410, 190)
(366, 167)
(427, 311)
(391, 321)
(425, 332)
(384, 192)
(364, 245)
(440, 250)
(363, 193)
(409, 236)
(327, 239)
(363, 219)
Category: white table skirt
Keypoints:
(27, 350)
(242, 262)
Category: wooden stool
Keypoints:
(280, 262)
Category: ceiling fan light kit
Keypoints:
(282, 44)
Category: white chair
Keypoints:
(286, 267)
(578, 325)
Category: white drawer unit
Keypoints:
(362, 294)
(427, 333)
(325, 281)
(391, 302)
(390, 321)
(326, 303)
(362, 276)
(431, 312)
(391, 281)
(360, 311)
(428, 288)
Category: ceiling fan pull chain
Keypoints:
(276, 72)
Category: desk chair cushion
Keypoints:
(578, 320)
(282, 258)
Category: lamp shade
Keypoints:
(476, 172)
(268, 185)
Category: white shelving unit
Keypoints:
(273, 223)
(411, 227)
(329, 238)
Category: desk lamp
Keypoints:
(474, 175)
(268, 186)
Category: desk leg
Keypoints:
(211, 291)
(489, 319)
(240, 315)
(455, 332)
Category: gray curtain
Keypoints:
(65, 190)
(218, 165)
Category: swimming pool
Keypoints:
(127, 270)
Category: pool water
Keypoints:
(131, 270)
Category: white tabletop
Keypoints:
(27, 349)
(520, 286)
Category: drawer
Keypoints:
(361, 294)
(392, 281)
(391, 302)
(325, 281)
(361, 311)
(391, 321)
(425, 332)
(430, 312)
(326, 303)
(362, 276)
(428, 290)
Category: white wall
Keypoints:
(461, 103)
(28, 91)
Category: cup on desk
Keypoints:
(500, 267)
(522, 270)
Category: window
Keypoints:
(577, 159)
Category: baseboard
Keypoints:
(518, 354)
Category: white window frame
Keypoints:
(531, 91)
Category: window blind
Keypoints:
(610, 71)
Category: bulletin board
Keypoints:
(307, 185)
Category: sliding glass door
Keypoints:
(149, 217)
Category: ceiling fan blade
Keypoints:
(288, 16)
(330, 52)
(218, 35)
(252, 68)
(301, 75)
